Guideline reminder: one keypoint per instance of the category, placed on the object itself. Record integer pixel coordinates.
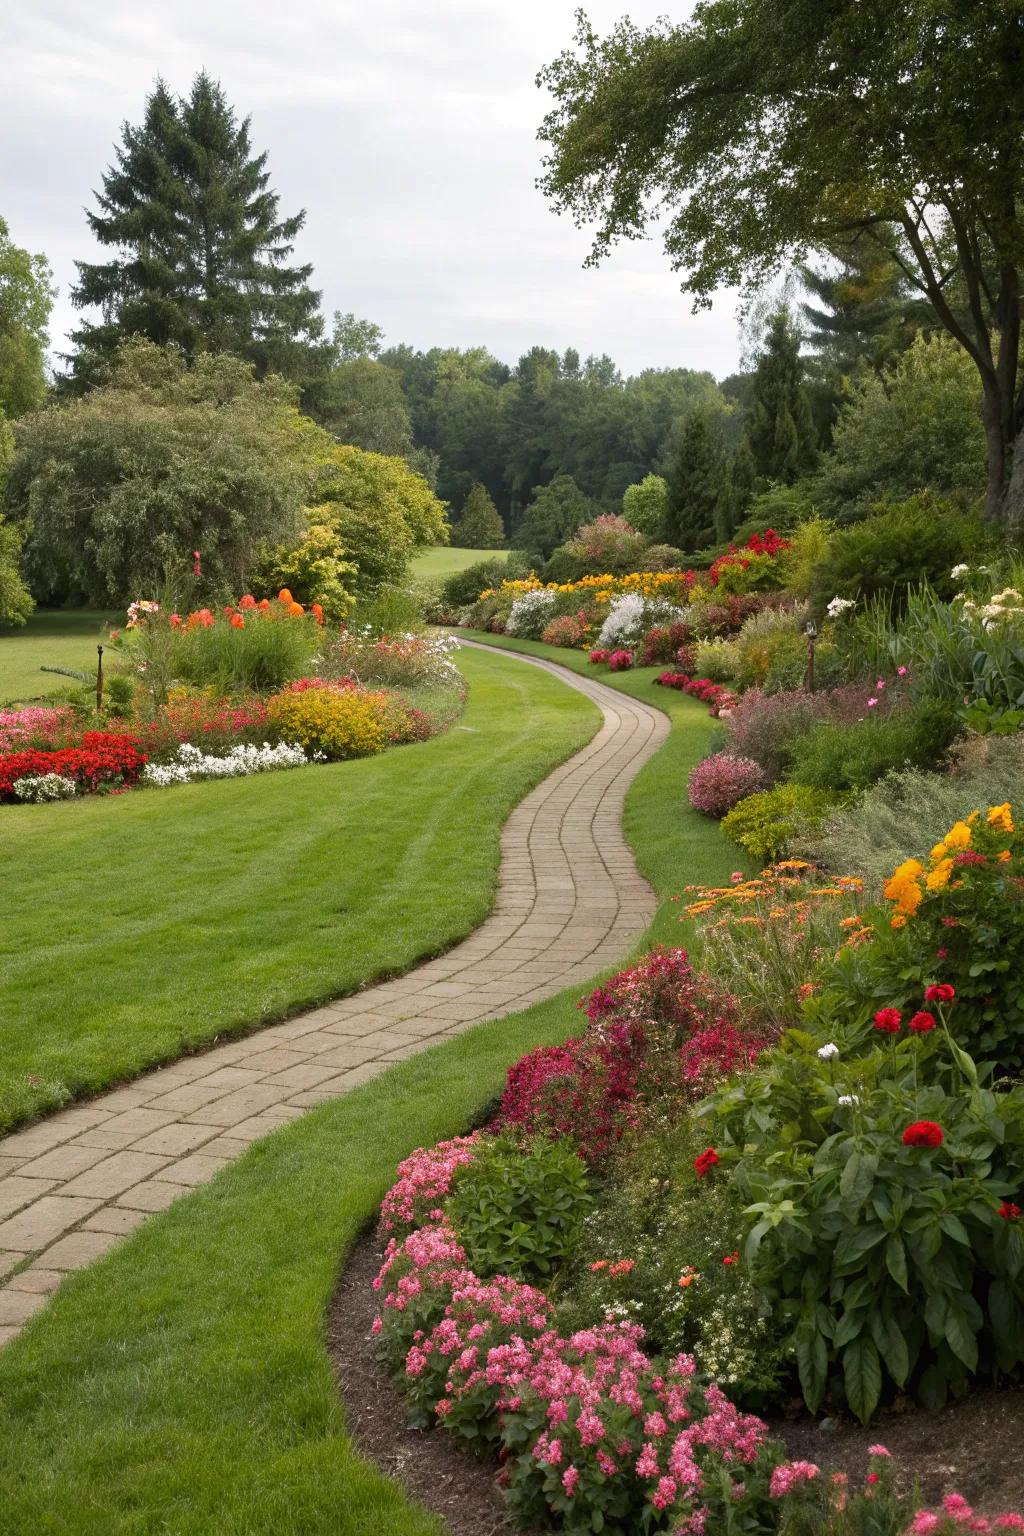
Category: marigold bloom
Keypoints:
(284, 596)
(923, 1133)
(296, 610)
(999, 817)
(959, 835)
(938, 878)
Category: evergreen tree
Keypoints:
(696, 480)
(480, 526)
(780, 429)
(200, 248)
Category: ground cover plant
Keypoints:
(312, 881)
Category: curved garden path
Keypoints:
(570, 902)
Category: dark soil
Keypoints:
(974, 1447)
(427, 1464)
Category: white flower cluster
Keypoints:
(530, 613)
(630, 616)
(239, 762)
(38, 788)
(838, 606)
(1001, 606)
(958, 571)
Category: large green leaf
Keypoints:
(857, 1178)
(862, 1373)
(896, 1260)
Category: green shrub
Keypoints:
(717, 659)
(389, 611)
(264, 654)
(671, 1227)
(838, 757)
(519, 1210)
(768, 825)
(913, 541)
(464, 587)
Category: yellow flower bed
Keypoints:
(337, 723)
(908, 884)
(601, 589)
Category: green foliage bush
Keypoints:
(837, 756)
(464, 587)
(15, 599)
(769, 824)
(267, 653)
(910, 542)
(314, 570)
(519, 1210)
(389, 611)
(670, 1227)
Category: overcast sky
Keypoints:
(407, 130)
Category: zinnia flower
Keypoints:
(942, 992)
(921, 1023)
(923, 1133)
(1009, 1211)
(888, 1020)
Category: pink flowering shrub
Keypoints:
(43, 727)
(620, 661)
(424, 1180)
(721, 701)
(598, 657)
(722, 781)
(659, 1034)
(569, 631)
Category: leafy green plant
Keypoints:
(463, 587)
(519, 1210)
(880, 1220)
(840, 757)
(769, 824)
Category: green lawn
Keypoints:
(437, 563)
(52, 639)
(181, 1386)
(143, 925)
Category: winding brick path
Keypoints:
(570, 902)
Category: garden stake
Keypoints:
(99, 679)
(812, 634)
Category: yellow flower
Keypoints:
(850, 922)
(958, 836)
(939, 852)
(999, 817)
(1005, 856)
(938, 878)
(898, 922)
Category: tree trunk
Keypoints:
(996, 449)
(1012, 511)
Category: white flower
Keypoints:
(839, 605)
(530, 613)
(958, 571)
(239, 762)
(37, 789)
(848, 1099)
(829, 1052)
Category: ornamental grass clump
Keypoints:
(722, 781)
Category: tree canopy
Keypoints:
(201, 250)
(26, 298)
(760, 132)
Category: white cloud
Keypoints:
(408, 132)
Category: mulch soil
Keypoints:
(975, 1447)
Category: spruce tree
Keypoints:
(695, 480)
(200, 249)
(780, 429)
(480, 526)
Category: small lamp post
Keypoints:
(810, 630)
(99, 679)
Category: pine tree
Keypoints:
(695, 480)
(480, 526)
(200, 247)
(780, 429)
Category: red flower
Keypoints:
(732, 1258)
(237, 622)
(705, 1162)
(1008, 1211)
(921, 1023)
(923, 1133)
(889, 1020)
(942, 993)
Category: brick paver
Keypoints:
(570, 902)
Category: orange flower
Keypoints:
(248, 601)
(296, 610)
(898, 922)
(317, 611)
(1004, 857)
(263, 604)
(237, 622)
(284, 596)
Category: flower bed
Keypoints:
(103, 760)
